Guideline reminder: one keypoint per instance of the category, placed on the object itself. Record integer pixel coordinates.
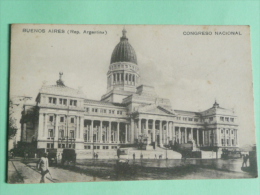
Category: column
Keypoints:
(126, 133)
(229, 132)
(81, 128)
(91, 131)
(191, 131)
(44, 128)
(179, 134)
(146, 127)
(173, 132)
(24, 133)
(203, 140)
(56, 131)
(154, 131)
(100, 131)
(167, 133)
(139, 127)
(170, 131)
(77, 127)
(217, 136)
(41, 127)
(109, 131)
(132, 131)
(160, 128)
(198, 137)
(118, 124)
(185, 135)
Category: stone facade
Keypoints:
(127, 114)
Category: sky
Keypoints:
(190, 70)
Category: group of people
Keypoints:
(95, 155)
(245, 159)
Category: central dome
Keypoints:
(123, 51)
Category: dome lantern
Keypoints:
(123, 51)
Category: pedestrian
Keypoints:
(134, 156)
(96, 155)
(118, 153)
(43, 166)
(247, 157)
(244, 160)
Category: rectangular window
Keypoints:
(232, 120)
(64, 102)
(63, 145)
(232, 142)
(51, 118)
(222, 142)
(98, 147)
(75, 102)
(227, 141)
(71, 102)
(59, 145)
(95, 147)
(221, 118)
(190, 119)
(110, 111)
(60, 101)
(210, 118)
(71, 120)
(104, 147)
(105, 111)
(96, 110)
(50, 145)
(184, 118)
(113, 112)
(118, 112)
(196, 120)
(69, 145)
(72, 134)
(61, 133)
(54, 100)
(222, 131)
(50, 133)
(226, 119)
(62, 119)
(50, 100)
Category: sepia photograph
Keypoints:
(92, 103)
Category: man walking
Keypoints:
(43, 165)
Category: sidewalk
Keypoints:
(30, 174)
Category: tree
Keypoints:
(12, 128)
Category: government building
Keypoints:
(129, 113)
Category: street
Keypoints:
(24, 171)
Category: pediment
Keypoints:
(155, 109)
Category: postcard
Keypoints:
(130, 102)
